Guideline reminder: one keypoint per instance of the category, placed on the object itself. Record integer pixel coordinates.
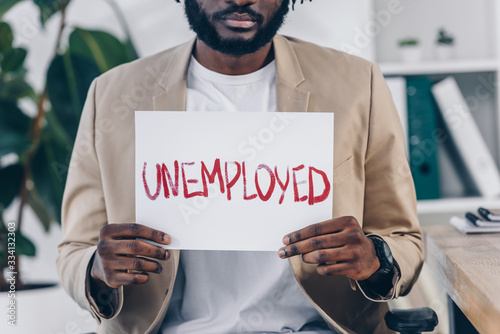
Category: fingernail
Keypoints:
(159, 269)
(167, 255)
(282, 253)
(286, 239)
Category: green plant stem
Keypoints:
(35, 138)
(120, 17)
(123, 22)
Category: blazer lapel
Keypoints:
(289, 76)
(173, 80)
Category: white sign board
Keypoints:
(232, 181)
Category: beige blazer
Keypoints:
(372, 181)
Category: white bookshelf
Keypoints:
(452, 205)
(476, 28)
(439, 67)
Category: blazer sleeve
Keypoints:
(83, 215)
(390, 201)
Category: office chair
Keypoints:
(412, 321)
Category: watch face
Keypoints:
(387, 252)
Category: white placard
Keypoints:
(232, 181)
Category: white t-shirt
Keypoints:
(236, 292)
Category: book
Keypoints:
(397, 86)
(467, 137)
(466, 227)
(423, 146)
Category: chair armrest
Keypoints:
(415, 320)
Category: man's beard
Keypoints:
(203, 26)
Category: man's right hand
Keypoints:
(117, 260)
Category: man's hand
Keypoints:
(338, 246)
(117, 260)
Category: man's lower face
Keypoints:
(236, 30)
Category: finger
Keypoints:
(311, 244)
(327, 255)
(329, 226)
(139, 247)
(137, 264)
(124, 278)
(127, 231)
(342, 268)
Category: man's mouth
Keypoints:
(241, 21)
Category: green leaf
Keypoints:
(11, 179)
(14, 129)
(131, 51)
(49, 170)
(5, 5)
(37, 205)
(49, 8)
(16, 89)
(24, 246)
(13, 59)
(99, 47)
(6, 35)
(68, 80)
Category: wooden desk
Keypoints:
(468, 268)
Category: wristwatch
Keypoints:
(384, 255)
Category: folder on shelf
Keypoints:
(397, 86)
(422, 125)
(467, 137)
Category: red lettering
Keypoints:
(230, 184)
(185, 182)
(245, 196)
(158, 182)
(167, 177)
(269, 193)
(316, 199)
(283, 187)
(211, 176)
(295, 185)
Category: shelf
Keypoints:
(450, 205)
(440, 67)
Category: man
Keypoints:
(336, 271)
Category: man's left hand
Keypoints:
(338, 246)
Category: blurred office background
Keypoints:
(401, 36)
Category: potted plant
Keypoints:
(445, 45)
(35, 151)
(410, 50)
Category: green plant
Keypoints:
(410, 41)
(37, 149)
(445, 38)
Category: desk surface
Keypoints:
(468, 267)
